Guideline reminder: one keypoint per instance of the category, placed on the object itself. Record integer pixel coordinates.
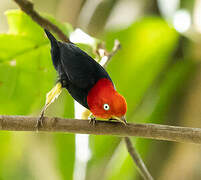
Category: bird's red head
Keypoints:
(105, 102)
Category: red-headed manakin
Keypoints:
(86, 81)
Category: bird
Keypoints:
(86, 81)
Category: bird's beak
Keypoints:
(121, 119)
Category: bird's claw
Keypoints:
(92, 121)
(117, 120)
(124, 122)
(50, 97)
(39, 122)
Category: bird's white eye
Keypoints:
(106, 107)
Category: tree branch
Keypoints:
(151, 131)
(28, 8)
(138, 160)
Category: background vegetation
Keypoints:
(157, 70)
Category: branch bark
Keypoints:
(28, 8)
(151, 131)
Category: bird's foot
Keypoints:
(50, 97)
(39, 122)
(121, 120)
(124, 122)
(92, 120)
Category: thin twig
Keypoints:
(105, 56)
(138, 160)
(28, 8)
(116, 47)
(151, 131)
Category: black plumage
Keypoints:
(78, 72)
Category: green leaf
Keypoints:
(12, 46)
(26, 75)
(25, 58)
(21, 24)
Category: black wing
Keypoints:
(82, 70)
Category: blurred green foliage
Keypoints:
(147, 49)
(139, 71)
(26, 75)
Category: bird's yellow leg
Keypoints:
(50, 97)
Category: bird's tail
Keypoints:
(55, 50)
